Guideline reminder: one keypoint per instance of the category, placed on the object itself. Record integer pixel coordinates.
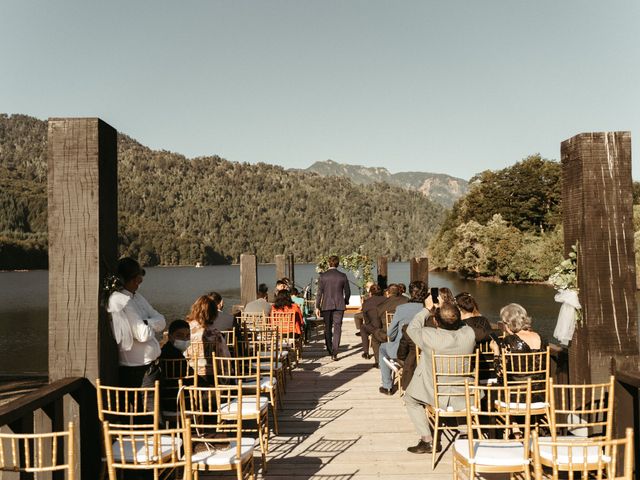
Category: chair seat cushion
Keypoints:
(575, 453)
(492, 453)
(138, 450)
(265, 383)
(248, 406)
(523, 406)
(226, 456)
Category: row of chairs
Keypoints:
(501, 437)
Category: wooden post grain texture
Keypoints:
(598, 217)
(248, 278)
(291, 268)
(419, 268)
(383, 276)
(280, 267)
(83, 224)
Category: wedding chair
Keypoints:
(450, 374)
(578, 414)
(272, 357)
(486, 367)
(518, 368)
(153, 450)
(217, 444)
(291, 341)
(174, 371)
(587, 457)
(388, 319)
(232, 341)
(129, 408)
(479, 452)
(39, 452)
(253, 407)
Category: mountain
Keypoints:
(179, 211)
(441, 188)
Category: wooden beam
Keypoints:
(598, 217)
(419, 268)
(383, 275)
(280, 267)
(291, 268)
(83, 225)
(248, 278)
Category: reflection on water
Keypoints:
(171, 290)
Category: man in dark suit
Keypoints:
(331, 301)
(379, 330)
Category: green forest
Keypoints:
(179, 211)
(509, 224)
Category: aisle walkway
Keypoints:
(337, 426)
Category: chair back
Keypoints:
(486, 365)
(252, 321)
(39, 452)
(518, 368)
(590, 458)
(232, 341)
(582, 410)
(494, 411)
(149, 449)
(388, 318)
(233, 370)
(129, 408)
(199, 408)
(450, 374)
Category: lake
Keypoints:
(171, 290)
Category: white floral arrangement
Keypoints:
(357, 263)
(565, 280)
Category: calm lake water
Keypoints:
(171, 290)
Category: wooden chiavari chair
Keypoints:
(483, 451)
(159, 451)
(36, 453)
(589, 458)
(253, 407)
(174, 371)
(450, 373)
(217, 443)
(486, 365)
(291, 341)
(388, 319)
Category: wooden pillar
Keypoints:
(420, 269)
(291, 268)
(383, 277)
(280, 267)
(83, 226)
(248, 278)
(598, 217)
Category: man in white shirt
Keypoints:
(260, 305)
(135, 324)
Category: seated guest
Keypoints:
(284, 304)
(379, 336)
(260, 304)
(358, 318)
(174, 349)
(223, 321)
(449, 337)
(280, 285)
(406, 357)
(519, 338)
(471, 316)
(404, 314)
(205, 339)
(403, 290)
(299, 301)
(370, 316)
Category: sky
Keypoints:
(444, 86)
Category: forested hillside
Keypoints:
(173, 210)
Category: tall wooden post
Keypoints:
(83, 226)
(248, 278)
(419, 268)
(383, 277)
(291, 268)
(598, 217)
(280, 267)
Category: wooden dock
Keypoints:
(335, 425)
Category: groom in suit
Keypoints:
(331, 301)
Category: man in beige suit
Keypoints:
(450, 337)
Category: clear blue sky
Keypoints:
(443, 86)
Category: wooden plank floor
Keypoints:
(335, 425)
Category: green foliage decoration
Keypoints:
(358, 263)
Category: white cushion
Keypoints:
(264, 383)
(523, 406)
(166, 447)
(577, 452)
(248, 406)
(498, 453)
(226, 456)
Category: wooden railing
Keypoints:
(19, 416)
